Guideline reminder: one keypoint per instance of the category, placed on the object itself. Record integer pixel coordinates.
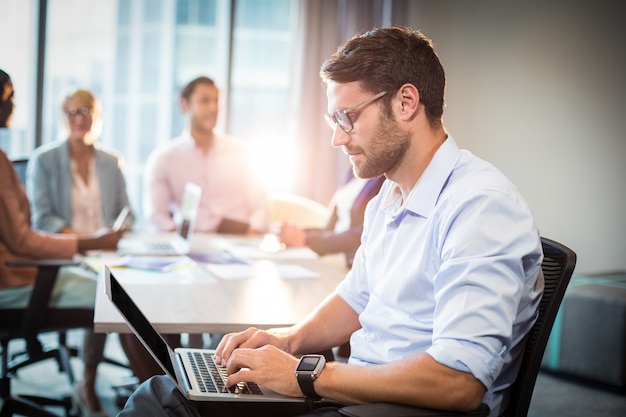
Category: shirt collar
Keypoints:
(189, 140)
(424, 195)
(186, 135)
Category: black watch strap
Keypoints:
(306, 385)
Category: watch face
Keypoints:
(308, 363)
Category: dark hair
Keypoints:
(383, 59)
(188, 89)
(4, 78)
(6, 108)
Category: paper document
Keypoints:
(155, 263)
(218, 257)
(152, 263)
(242, 271)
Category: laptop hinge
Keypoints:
(181, 376)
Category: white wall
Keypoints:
(538, 90)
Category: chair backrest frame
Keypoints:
(20, 165)
(557, 266)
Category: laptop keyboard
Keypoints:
(212, 377)
(160, 246)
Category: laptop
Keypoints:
(195, 373)
(178, 244)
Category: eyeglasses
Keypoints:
(73, 111)
(340, 117)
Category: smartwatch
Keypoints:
(308, 370)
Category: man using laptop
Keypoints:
(446, 282)
(232, 200)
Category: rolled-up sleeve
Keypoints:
(481, 285)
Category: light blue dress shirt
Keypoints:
(454, 272)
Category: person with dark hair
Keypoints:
(75, 286)
(232, 201)
(447, 280)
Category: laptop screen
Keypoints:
(146, 332)
(189, 209)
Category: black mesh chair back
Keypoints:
(558, 266)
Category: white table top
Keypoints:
(276, 289)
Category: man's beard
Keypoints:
(385, 151)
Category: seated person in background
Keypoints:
(76, 187)
(75, 287)
(73, 185)
(216, 162)
(342, 234)
(447, 280)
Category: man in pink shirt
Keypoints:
(216, 162)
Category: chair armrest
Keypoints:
(397, 410)
(42, 263)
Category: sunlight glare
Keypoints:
(272, 160)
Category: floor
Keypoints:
(553, 397)
(44, 378)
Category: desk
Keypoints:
(192, 300)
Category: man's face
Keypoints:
(202, 107)
(376, 145)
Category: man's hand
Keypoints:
(267, 366)
(251, 338)
(105, 239)
(292, 235)
(108, 238)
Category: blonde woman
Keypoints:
(76, 187)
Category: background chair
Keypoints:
(27, 323)
(299, 210)
(558, 266)
(20, 168)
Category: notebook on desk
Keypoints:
(178, 244)
(193, 370)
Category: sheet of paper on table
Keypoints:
(260, 269)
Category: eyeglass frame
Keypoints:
(74, 111)
(332, 118)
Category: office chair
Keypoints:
(20, 165)
(20, 168)
(27, 323)
(297, 209)
(558, 266)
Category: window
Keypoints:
(136, 55)
(260, 74)
(18, 22)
